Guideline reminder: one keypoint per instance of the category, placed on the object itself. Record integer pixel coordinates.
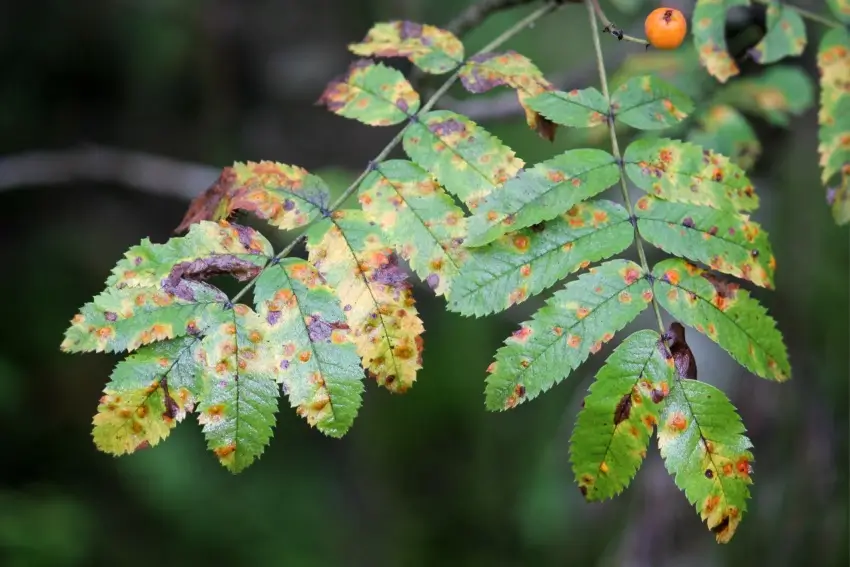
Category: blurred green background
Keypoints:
(429, 478)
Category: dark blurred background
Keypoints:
(115, 113)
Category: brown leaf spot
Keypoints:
(623, 409)
(304, 356)
(595, 347)
(625, 297)
(522, 334)
(226, 450)
(521, 242)
(631, 276)
(677, 422)
(603, 467)
(558, 331)
(525, 270)
(574, 341)
(582, 312)
(709, 474)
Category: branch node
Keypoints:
(228, 305)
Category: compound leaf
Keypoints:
(574, 323)
(648, 103)
(683, 172)
(542, 193)
(701, 439)
(709, 31)
(725, 131)
(619, 415)
(727, 242)
(725, 314)
(841, 9)
(466, 159)
(785, 36)
(520, 265)
(432, 49)
(834, 119)
(376, 296)
(583, 108)
(778, 93)
(373, 94)
(418, 218)
(314, 353)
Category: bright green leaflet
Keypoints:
(541, 193)
(725, 314)
(372, 94)
(619, 414)
(521, 265)
(417, 217)
(708, 25)
(648, 103)
(574, 323)
(680, 171)
(702, 442)
(466, 159)
(583, 108)
(786, 35)
(432, 49)
(726, 242)
(841, 9)
(725, 131)
(316, 359)
(776, 95)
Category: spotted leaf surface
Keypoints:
(583, 108)
(148, 394)
(709, 28)
(834, 120)
(466, 159)
(725, 314)
(237, 410)
(684, 172)
(542, 193)
(727, 242)
(724, 130)
(373, 94)
(418, 218)
(573, 324)
(375, 295)
(776, 95)
(841, 9)
(314, 355)
(702, 442)
(486, 71)
(432, 49)
(648, 103)
(619, 414)
(785, 36)
(522, 264)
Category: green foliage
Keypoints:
(725, 131)
(708, 26)
(583, 108)
(778, 92)
(834, 118)
(786, 35)
(841, 9)
(648, 103)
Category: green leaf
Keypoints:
(702, 442)
(834, 115)
(314, 354)
(542, 193)
(841, 9)
(785, 36)
(466, 159)
(709, 31)
(574, 323)
(724, 241)
(683, 172)
(838, 198)
(774, 95)
(373, 94)
(725, 314)
(432, 49)
(619, 415)
(648, 103)
(376, 297)
(520, 265)
(725, 131)
(418, 218)
(149, 392)
(584, 108)
(237, 411)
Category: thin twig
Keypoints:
(474, 15)
(615, 149)
(613, 29)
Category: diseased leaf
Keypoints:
(312, 347)
(466, 159)
(725, 314)
(376, 296)
(684, 172)
(702, 442)
(838, 198)
(725, 131)
(522, 264)
(618, 416)
(573, 324)
(149, 392)
(542, 193)
(371, 93)
(432, 49)
(785, 36)
(727, 242)
(709, 31)
(486, 71)
(648, 103)
(834, 120)
(841, 9)
(584, 108)
(238, 409)
(778, 92)
(418, 218)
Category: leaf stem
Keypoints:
(502, 38)
(615, 148)
(613, 29)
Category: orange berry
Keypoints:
(665, 28)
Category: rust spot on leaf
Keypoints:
(623, 409)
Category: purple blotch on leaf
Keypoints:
(273, 317)
(319, 329)
(110, 316)
(410, 30)
(433, 281)
(449, 126)
(179, 281)
(288, 204)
